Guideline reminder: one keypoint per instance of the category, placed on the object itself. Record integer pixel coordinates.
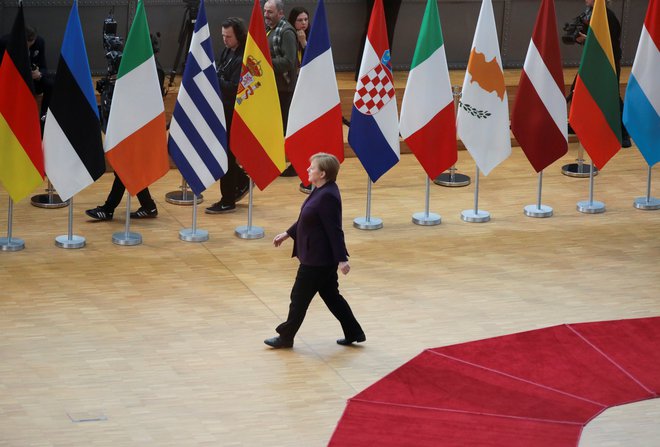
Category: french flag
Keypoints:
(374, 132)
(641, 108)
(315, 115)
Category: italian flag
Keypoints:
(595, 115)
(428, 122)
(136, 137)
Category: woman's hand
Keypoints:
(277, 241)
(344, 267)
(302, 38)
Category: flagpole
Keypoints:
(427, 218)
(452, 178)
(368, 222)
(538, 210)
(476, 215)
(248, 231)
(8, 243)
(648, 202)
(48, 200)
(591, 206)
(193, 234)
(70, 240)
(127, 238)
(183, 195)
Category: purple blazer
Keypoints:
(318, 239)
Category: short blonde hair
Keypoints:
(327, 163)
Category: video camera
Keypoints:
(579, 25)
(112, 43)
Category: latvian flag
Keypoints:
(428, 120)
(538, 119)
(73, 148)
(21, 156)
(374, 132)
(315, 116)
(641, 108)
(198, 136)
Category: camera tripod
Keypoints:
(185, 36)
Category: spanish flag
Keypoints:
(257, 134)
(21, 156)
(595, 115)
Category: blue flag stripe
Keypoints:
(642, 121)
(370, 145)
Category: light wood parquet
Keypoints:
(163, 341)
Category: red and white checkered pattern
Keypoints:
(374, 90)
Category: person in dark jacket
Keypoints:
(235, 183)
(319, 246)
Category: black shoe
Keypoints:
(349, 341)
(220, 208)
(570, 130)
(241, 192)
(99, 213)
(278, 342)
(625, 142)
(290, 171)
(305, 189)
(143, 213)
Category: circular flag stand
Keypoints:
(248, 231)
(70, 240)
(475, 215)
(10, 243)
(425, 218)
(48, 200)
(591, 206)
(183, 196)
(127, 238)
(368, 222)
(579, 169)
(538, 210)
(451, 178)
(648, 202)
(194, 234)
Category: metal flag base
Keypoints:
(452, 179)
(249, 232)
(426, 219)
(475, 216)
(182, 197)
(193, 235)
(124, 238)
(591, 207)
(371, 223)
(65, 242)
(536, 211)
(646, 203)
(13, 244)
(580, 170)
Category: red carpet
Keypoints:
(532, 388)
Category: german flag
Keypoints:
(595, 114)
(21, 156)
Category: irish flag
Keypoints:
(257, 134)
(136, 138)
(21, 157)
(428, 122)
(595, 115)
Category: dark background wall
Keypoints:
(514, 18)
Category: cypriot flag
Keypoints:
(483, 112)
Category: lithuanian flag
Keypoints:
(257, 134)
(21, 156)
(595, 114)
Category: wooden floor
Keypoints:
(161, 344)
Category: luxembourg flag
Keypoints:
(641, 108)
(315, 116)
(374, 131)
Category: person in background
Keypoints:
(235, 184)
(318, 243)
(299, 18)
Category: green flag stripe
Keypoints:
(430, 34)
(600, 79)
(138, 44)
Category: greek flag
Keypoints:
(198, 135)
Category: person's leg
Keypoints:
(329, 292)
(304, 289)
(116, 193)
(228, 183)
(146, 202)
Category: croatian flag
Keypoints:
(315, 116)
(198, 135)
(641, 108)
(374, 131)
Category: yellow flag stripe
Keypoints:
(601, 30)
(17, 171)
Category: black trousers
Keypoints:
(233, 179)
(309, 281)
(117, 192)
